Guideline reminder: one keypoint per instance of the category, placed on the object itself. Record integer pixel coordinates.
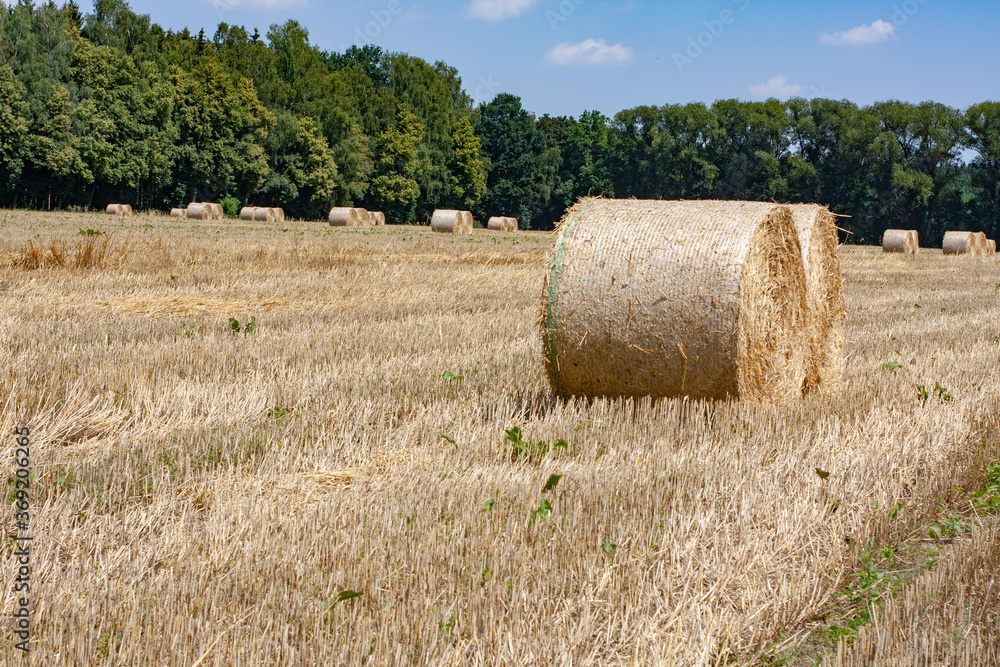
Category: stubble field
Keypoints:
(339, 484)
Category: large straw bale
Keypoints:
(899, 240)
(511, 224)
(449, 221)
(112, 209)
(959, 243)
(344, 216)
(220, 213)
(365, 218)
(247, 212)
(699, 298)
(992, 249)
(817, 229)
(178, 213)
(916, 241)
(126, 209)
(279, 214)
(497, 224)
(379, 218)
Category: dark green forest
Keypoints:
(110, 107)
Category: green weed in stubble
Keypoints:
(522, 450)
(235, 327)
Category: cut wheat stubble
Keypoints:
(653, 298)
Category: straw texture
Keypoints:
(345, 216)
(279, 215)
(217, 211)
(448, 221)
(497, 224)
(246, 213)
(379, 218)
(701, 298)
(992, 249)
(178, 213)
(817, 230)
(511, 224)
(959, 243)
(899, 241)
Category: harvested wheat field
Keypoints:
(314, 445)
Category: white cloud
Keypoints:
(498, 10)
(776, 86)
(876, 33)
(590, 52)
(273, 5)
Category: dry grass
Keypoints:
(206, 495)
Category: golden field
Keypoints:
(207, 496)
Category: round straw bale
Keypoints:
(365, 218)
(279, 215)
(511, 224)
(898, 240)
(982, 244)
(658, 298)
(469, 222)
(992, 249)
(200, 211)
(126, 209)
(817, 229)
(344, 216)
(916, 241)
(379, 218)
(448, 221)
(178, 213)
(497, 224)
(218, 211)
(959, 243)
(113, 209)
(246, 213)
(263, 214)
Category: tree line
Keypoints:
(109, 106)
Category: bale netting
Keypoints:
(825, 315)
(178, 213)
(899, 241)
(705, 299)
(959, 243)
(448, 221)
(497, 224)
(344, 216)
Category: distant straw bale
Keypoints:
(817, 229)
(657, 298)
(247, 212)
(448, 221)
(497, 224)
(992, 249)
(263, 214)
(200, 211)
(511, 224)
(982, 244)
(345, 216)
(379, 218)
(899, 241)
(959, 243)
(118, 209)
(178, 213)
(279, 215)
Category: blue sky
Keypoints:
(563, 57)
